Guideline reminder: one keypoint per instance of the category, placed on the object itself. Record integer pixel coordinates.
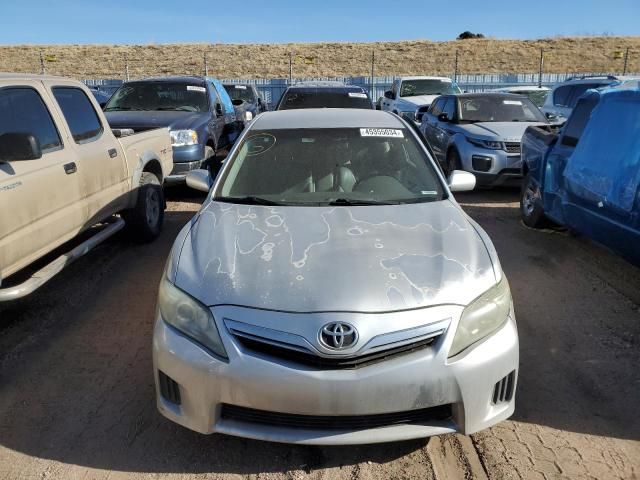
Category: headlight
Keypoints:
(493, 145)
(189, 317)
(248, 116)
(181, 138)
(483, 316)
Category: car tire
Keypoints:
(531, 208)
(453, 160)
(144, 221)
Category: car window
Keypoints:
(316, 166)
(578, 121)
(498, 108)
(437, 106)
(215, 99)
(22, 110)
(450, 108)
(154, 95)
(324, 97)
(79, 113)
(579, 90)
(412, 88)
(561, 95)
(241, 92)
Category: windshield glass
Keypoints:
(178, 96)
(324, 98)
(340, 166)
(498, 108)
(240, 92)
(411, 88)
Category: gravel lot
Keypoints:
(77, 397)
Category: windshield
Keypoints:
(411, 88)
(240, 92)
(341, 166)
(498, 108)
(324, 98)
(177, 96)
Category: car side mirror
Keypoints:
(199, 180)
(443, 117)
(461, 181)
(388, 94)
(260, 102)
(16, 146)
(219, 111)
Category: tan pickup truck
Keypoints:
(63, 171)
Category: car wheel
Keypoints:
(531, 204)
(453, 161)
(144, 221)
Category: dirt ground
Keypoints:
(77, 396)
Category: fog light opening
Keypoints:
(169, 388)
(481, 163)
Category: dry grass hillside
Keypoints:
(562, 55)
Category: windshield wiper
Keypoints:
(355, 202)
(248, 200)
(120, 108)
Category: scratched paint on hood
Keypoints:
(305, 259)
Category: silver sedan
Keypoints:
(331, 291)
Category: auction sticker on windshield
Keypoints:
(191, 88)
(357, 95)
(381, 132)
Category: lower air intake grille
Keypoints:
(503, 390)
(339, 422)
(169, 389)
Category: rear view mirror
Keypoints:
(199, 180)
(16, 146)
(461, 181)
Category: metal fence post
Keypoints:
(626, 61)
(206, 66)
(455, 68)
(290, 68)
(126, 67)
(373, 63)
(541, 67)
(43, 69)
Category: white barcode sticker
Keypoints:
(192, 88)
(241, 87)
(357, 95)
(381, 132)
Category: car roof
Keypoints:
(521, 88)
(424, 77)
(326, 118)
(491, 93)
(30, 76)
(182, 79)
(320, 84)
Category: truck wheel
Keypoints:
(144, 221)
(531, 205)
(453, 161)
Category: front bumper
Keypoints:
(504, 168)
(417, 380)
(185, 159)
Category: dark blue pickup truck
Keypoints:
(197, 111)
(587, 176)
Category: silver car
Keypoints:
(331, 291)
(481, 133)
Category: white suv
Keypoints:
(565, 95)
(412, 96)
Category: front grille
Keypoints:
(337, 422)
(138, 128)
(179, 168)
(503, 390)
(512, 147)
(332, 363)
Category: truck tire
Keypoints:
(531, 208)
(212, 163)
(144, 221)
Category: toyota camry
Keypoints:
(332, 291)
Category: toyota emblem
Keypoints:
(338, 335)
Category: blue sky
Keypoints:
(280, 21)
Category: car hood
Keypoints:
(310, 259)
(155, 119)
(506, 131)
(420, 100)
